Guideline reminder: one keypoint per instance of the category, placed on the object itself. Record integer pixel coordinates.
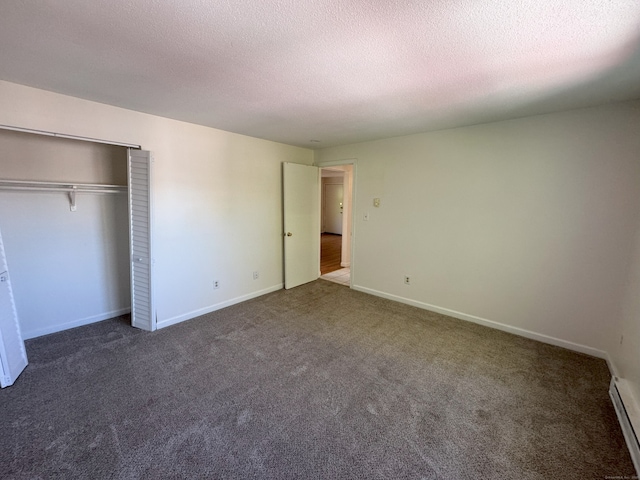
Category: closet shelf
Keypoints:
(70, 188)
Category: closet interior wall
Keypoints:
(67, 268)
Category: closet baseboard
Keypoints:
(27, 334)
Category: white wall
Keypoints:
(67, 268)
(528, 223)
(218, 207)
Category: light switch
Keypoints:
(376, 202)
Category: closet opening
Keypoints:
(67, 251)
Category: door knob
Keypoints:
(289, 234)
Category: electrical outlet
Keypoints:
(216, 284)
(407, 280)
(256, 275)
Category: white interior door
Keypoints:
(301, 198)
(333, 208)
(13, 356)
(142, 305)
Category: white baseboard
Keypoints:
(212, 308)
(27, 334)
(490, 323)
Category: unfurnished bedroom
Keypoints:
(320, 240)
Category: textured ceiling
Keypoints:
(337, 71)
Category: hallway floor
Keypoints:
(342, 276)
(330, 252)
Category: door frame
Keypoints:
(353, 162)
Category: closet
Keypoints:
(64, 218)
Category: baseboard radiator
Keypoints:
(628, 416)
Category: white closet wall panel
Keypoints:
(142, 306)
(67, 268)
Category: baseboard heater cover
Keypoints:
(628, 416)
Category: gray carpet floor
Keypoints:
(317, 382)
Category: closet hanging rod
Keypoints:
(69, 188)
(28, 185)
(64, 190)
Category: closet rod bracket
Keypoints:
(72, 198)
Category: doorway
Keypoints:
(302, 220)
(335, 241)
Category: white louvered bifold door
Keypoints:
(142, 306)
(13, 356)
